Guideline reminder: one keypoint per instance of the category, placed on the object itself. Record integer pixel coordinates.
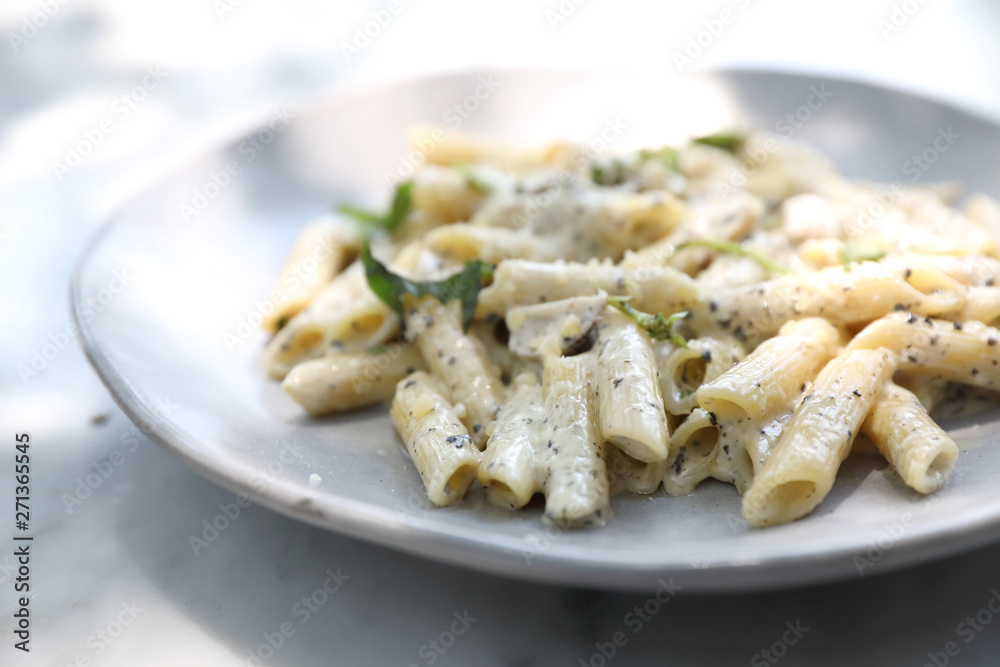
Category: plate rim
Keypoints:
(451, 544)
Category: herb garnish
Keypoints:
(402, 204)
(391, 288)
(727, 141)
(472, 179)
(853, 252)
(668, 155)
(657, 326)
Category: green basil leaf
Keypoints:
(727, 141)
(391, 288)
(402, 205)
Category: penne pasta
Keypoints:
(630, 408)
(694, 446)
(551, 321)
(918, 449)
(321, 250)
(844, 297)
(684, 370)
(303, 336)
(800, 471)
(628, 474)
(510, 467)
(438, 443)
(773, 374)
(460, 361)
(576, 479)
(964, 352)
(342, 382)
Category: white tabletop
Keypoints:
(114, 578)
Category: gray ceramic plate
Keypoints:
(172, 334)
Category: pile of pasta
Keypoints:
(551, 321)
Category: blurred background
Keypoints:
(144, 87)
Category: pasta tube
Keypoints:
(774, 373)
(628, 474)
(576, 483)
(523, 282)
(749, 400)
(302, 338)
(965, 352)
(439, 445)
(321, 251)
(460, 360)
(683, 370)
(859, 295)
(509, 469)
(918, 449)
(461, 241)
(630, 406)
(800, 471)
(340, 382)
(693, 448)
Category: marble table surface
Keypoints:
(114, 580)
